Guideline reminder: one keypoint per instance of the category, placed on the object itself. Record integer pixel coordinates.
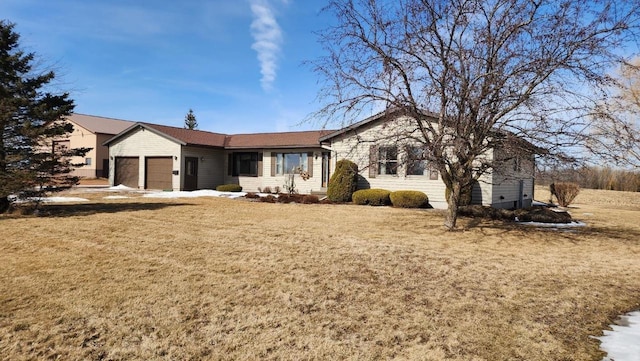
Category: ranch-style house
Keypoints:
(152, 156)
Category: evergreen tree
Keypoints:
(190, 121)
(32, 158)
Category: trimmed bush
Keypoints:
(343, 182)
(565, 192)
(229, 188)
(409, 199)
(372, 197)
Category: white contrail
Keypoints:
(267, 40)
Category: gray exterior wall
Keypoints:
(513, 182)
(211, 166)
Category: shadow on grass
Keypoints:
(626, 234)
(87, 209)
(572, 234)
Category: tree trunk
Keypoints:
(4, 204)
(453, 202)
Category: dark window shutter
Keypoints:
(373, 161)
(310, 164)
(273, 164)
(259, 164)
(230, 164)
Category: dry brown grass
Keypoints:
(142, 279)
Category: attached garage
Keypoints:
(127, 171)
(158, 173)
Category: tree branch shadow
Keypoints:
(88, 209)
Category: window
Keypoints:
(87, 161)
(416, 164)
(517, 163)
(388, 160)
(245, 164)
(291, 163)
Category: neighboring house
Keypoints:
(153, 156)
(90, 132)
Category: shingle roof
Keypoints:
(191, 137)
(303, 139)
(100, 125)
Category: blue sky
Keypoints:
(237, 64)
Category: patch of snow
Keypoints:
(15, 199)
(262, 195)
(121, 187)
(115, 197)
(622, 343)
(554, 225)
(195, 194)
(542, 204)
(54, 200)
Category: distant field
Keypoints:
(192, 279)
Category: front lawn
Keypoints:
(215, 278)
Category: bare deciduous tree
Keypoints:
(615, 132)
(529, 68)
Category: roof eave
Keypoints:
(142, 126)
(297, 146)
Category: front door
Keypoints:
(326, 160)
(190, 173)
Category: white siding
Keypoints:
(356, 148)
(144, 143)
(251, 184)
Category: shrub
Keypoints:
(268, 199)
(343, 182)
(533, 214)
(409, 199)
(565, 192)
(276, 189)
(251, 195)
(372, 197)
(542, 214)
(266, 189)
(310, 199)
(229, 188)
(479, 211)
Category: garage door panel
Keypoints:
(127, 171)
(158, 173)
